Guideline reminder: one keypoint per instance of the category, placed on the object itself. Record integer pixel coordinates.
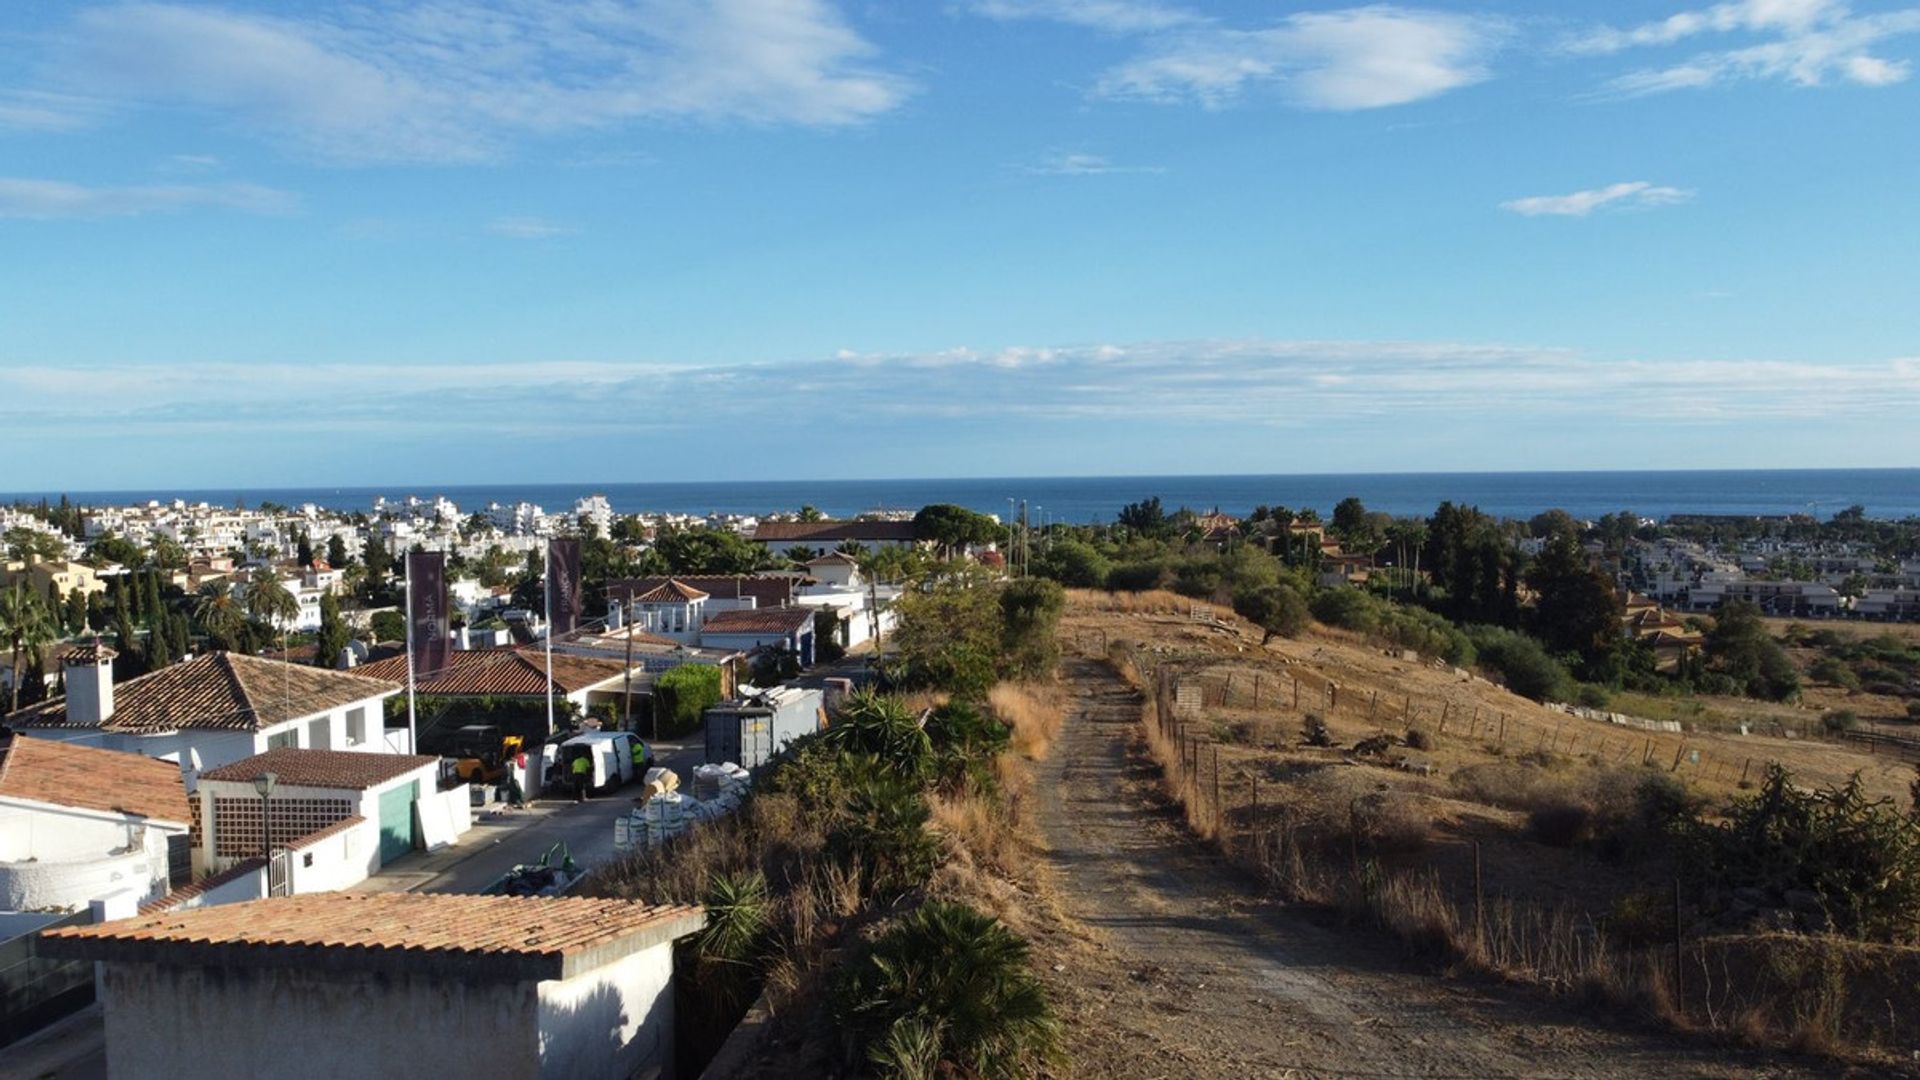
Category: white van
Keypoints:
(611, 753)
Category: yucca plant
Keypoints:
(882, 725)
(947, 991)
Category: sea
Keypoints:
(1885, 493)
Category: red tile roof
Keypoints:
(506, 672)
(767, 591)
(346, 769)
(448, 934)
(759, 621)
(669, 592)
(63, 774)
(816, 532)
(220, 691)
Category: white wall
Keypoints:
(613, 1022)
(337, 862)
(56, 857)
(193, 1023)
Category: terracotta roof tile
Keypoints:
(322, 768)
(670, 591)
(509, 672)
(766, 591)
(759, 621)
(434, 933)
(63, 774)
(218, 690)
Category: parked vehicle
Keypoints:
(611, 753)
(481, 753)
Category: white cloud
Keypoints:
(1114, 16)
(1635, 193)
(455, 80)
(1082, 165)
(39, 110)
(1221, 385)
(528, 228)
(1804, 42)
(1358, 58)
(49, 199)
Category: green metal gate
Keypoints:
(396, 821)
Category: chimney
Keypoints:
(615, 615)
(89, 673)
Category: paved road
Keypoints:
(500, 841)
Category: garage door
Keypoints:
(396, 821)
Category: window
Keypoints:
(356, 726)
(320, 733)
(289, 737)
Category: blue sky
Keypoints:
(451, 241)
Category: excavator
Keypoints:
(481, 753)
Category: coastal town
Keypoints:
(214, 708)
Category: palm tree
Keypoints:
(217, 611)
(25, 626)
(269, 600)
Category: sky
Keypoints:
(471, 241)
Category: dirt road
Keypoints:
(1182, 972)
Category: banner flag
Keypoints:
(563, 581)
(429, 637)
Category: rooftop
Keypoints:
(446, 934)
(759, 621)
(346, 769)
(505, 672)
(63, 774)
(669, 592)
(219, 691)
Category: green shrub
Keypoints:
(1275, 609)
(1830, 670)
(882, 832)
(947, 991)
(1419, 739)
(965, 740)
(1136, 576)
(1840, 720)
(1591, 696)
(1859, 857)
(883, 726)
(682, 695)
(1522, 662)
(1349, 609)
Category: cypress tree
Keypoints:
(76, 611)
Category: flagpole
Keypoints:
(548, 590)
(413, 745)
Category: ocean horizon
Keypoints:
(1885, 493)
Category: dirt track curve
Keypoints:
(1192, 976)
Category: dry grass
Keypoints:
(1397, 848)
(1151, 602)
(1035, 711)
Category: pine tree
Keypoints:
(336, 551)
(333, 633)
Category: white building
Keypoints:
(214, 709)
(340, 816)
(79, 824)
(337, 985)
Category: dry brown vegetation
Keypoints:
(1516, 841)
(1034, 710)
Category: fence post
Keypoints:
(1679, 947)
(1373, 705)
(1296, 693)
(1217, 815)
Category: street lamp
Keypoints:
(264, 785)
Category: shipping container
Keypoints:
(753, 730)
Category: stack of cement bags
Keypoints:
(666, 812)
